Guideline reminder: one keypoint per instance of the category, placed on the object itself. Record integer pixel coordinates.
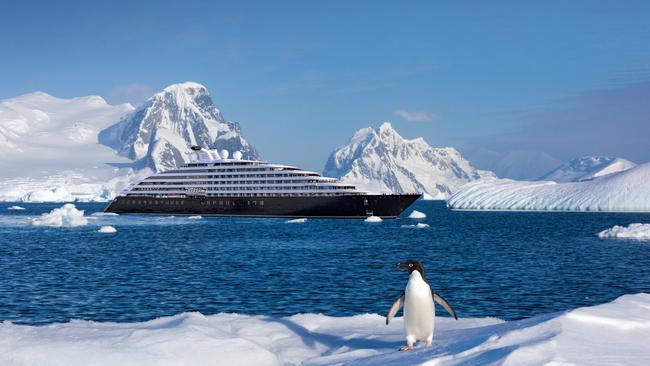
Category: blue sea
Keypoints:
(509, 265)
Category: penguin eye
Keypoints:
(410, 264)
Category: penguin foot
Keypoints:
(428, 344)
(406, 348)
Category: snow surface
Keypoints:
(15, 208)
(615, 333)
(383, 161)
(632, 231)
(66, 215)
(587, 168)
(626, 191)
(417, 215)
(107, 230)
(297, 221)
(373, 219)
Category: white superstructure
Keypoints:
(211, 173)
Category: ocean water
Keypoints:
(509, 265)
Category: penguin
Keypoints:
(419, 308)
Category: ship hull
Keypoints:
(343, 206)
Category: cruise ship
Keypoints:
(214, 184)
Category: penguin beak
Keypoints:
(401, 265)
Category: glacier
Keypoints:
(622, 328)
(624, 191)
(383, 161)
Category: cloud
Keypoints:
(134, 93)
(416, 116)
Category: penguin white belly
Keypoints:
(419, 310)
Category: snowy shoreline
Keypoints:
(622, 326)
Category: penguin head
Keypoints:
(410, 266)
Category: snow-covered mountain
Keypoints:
(159, 133)
(623, 191)
(51, 148)
(586, 168)
(382, 161)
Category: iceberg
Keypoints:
(417, 215)
(107, 230)
(195, 217)
(64, 216)
(632, 231)
(624, 191)
(373, 219)
(622, 326)
(419, 225)
(15, 208)
(297, 221)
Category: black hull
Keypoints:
(350, 206)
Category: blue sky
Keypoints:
(566, 78)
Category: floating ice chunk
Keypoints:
(297, 221)
(107, 229)
(15, 208)
(196, 217)
(418, 226)
(633, 231)
(373, 219)
(417, 215)
(104, 214)
(66, 215)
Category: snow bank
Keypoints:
(373, 219)
(297, 221)
(107, 230)
(15, 208)
(417, 215)
(66, 215)
(626, 191)
(196, 217)
(633, 231)
(622, 328)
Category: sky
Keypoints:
(563, 78)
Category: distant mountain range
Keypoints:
(82, 148)
(383, 161)
(587, 168)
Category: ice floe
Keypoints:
(15, 208)
(632, 231)
(104, 214)
(622, 328)
(373, 219)
(297, 221)
(66, 215)
(195, 217)
(107, 230)
(419, 225)
(417, 215)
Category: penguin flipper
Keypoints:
(398, 304)
(440, 300)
